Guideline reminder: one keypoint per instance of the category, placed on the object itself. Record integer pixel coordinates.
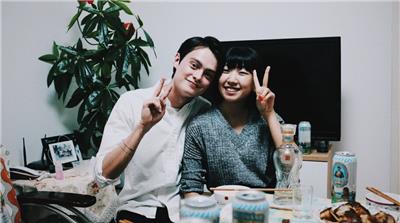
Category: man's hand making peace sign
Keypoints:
(154, 108)
(265, 97)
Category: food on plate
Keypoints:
(354, 212)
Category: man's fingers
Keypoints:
(165, 92)
(159, 88)
(255, 80)
(157, 105)
(154, 105)
(266, 76)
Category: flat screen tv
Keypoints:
(305, 76)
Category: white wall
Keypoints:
(31, 110)
(1, 60)
(395, 175)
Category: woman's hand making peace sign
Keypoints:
(265, 97)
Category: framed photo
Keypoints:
(63, 148)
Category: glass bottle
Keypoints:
(287, 161)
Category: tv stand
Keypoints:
(322, 146)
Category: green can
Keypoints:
(250, 207)
(344, 177)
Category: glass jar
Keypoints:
(287, 162)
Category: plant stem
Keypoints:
(80, 29)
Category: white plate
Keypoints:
(373, 209)
(379, 200)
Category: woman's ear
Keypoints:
(177, 59)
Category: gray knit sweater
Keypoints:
(216, 155)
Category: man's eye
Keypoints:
(194, 66)
(209, 76)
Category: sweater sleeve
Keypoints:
(193, 170)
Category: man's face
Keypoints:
(194, 73)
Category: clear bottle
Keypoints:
(287, 161)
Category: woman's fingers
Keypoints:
(266, 76)
(257, 87)
(255, 80)
(261, 93)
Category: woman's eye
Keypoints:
(226, 71)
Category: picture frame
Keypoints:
(62, 148)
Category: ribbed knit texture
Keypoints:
(215, 154)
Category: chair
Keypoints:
(60, 207)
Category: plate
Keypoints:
(381, 201)
(371, 207)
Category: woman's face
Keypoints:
(235, 85)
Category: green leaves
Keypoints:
(122, 6)
(108, 55)
(74, 19)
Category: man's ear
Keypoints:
(177, 59)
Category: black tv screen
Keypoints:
(305, 76)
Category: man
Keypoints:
(144, 134)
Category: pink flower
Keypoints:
(129, 29)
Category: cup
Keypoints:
(302, 201)
(225, 194)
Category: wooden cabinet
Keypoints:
(316, 171)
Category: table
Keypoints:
(80, 180)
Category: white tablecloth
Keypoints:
(80, 180)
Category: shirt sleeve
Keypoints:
(193, 170)
(118, 127)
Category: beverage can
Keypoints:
(305, 137)
(200, 207)
(344, 177)
(250, 206)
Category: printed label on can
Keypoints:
(340, 175)
(247, 217)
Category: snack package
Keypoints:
(11, 207)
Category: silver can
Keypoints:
(304, 138)
(200, 207)
(250, 206)
(344, 177)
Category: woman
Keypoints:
(233, 142)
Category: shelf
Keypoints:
(319, 157)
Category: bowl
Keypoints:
(377, 201)
(225, 194)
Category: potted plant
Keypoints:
(108, 56)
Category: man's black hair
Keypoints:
(202, 42)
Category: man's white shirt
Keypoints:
(152, 176)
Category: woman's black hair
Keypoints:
(241, 58)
